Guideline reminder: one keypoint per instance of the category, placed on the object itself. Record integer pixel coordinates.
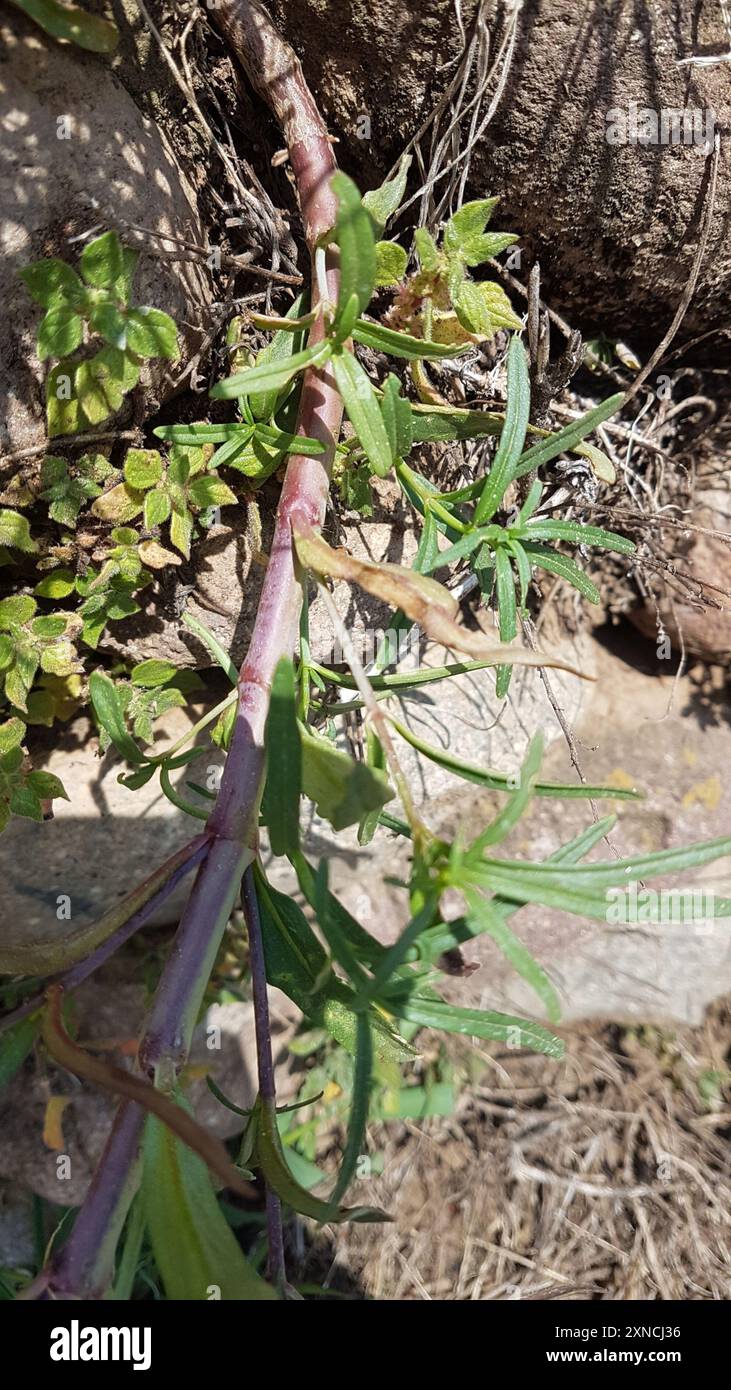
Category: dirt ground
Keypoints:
(604, 1176)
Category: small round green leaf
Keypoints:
(142, 468)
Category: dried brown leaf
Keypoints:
(422, 599)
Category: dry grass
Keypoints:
(607, 1176)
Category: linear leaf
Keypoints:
(509, 816)
(282, 347)
(271, 376)
(358, 1118)
(566, 568)
(515, 952)
(297, 964)
(365, 945)
(517, 411)
(281, 803)
(353, 233)
(475, 1023)
(578, 534)
(566, 438)
(445, 422)
(464, 546)
(340, 946)
(194, 1247)
(278, 1174)
(501, 781)
(109, 711)
(397, 344)
(361, 404)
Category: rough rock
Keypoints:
(615, 226)
(699, 626)
(100, 842)
(228, 582)
(115, 165)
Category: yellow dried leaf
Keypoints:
(422, 599)
(122, 503)
(52, 1123)
(156, 556)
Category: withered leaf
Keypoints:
(423, 599)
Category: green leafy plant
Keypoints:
(84, 391)
(279, 727)
(154, 687)
(68, 489)
(22, 791)
(174, 492)
(29, 642)
(14, 535)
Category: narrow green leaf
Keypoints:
(513, 434)
(15, 1045)
(494, 1027)
(396, 954)
(578, 534)
(361, 404)
(397, 344)
(522, 564)
(338, 941)
(551, 560)
(289, 443)
(284, 762)
(73, 24)
(353, 233)
(297, 964)
(271, 376)
(535, 494)
(396, 411)
(366, 947)
(511, 813)
(525, 965)
(355, 1143)
(507, 614)
(278, 1174)
(501, 781)
(195, 1249)
(565, 439)
(109, 711)
(426, 249)
(202, 433)
(283, 345)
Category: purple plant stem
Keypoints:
(73, 977)
(84, 1267)
(198, 849)
(276, 72)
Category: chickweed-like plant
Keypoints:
(278, 726)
